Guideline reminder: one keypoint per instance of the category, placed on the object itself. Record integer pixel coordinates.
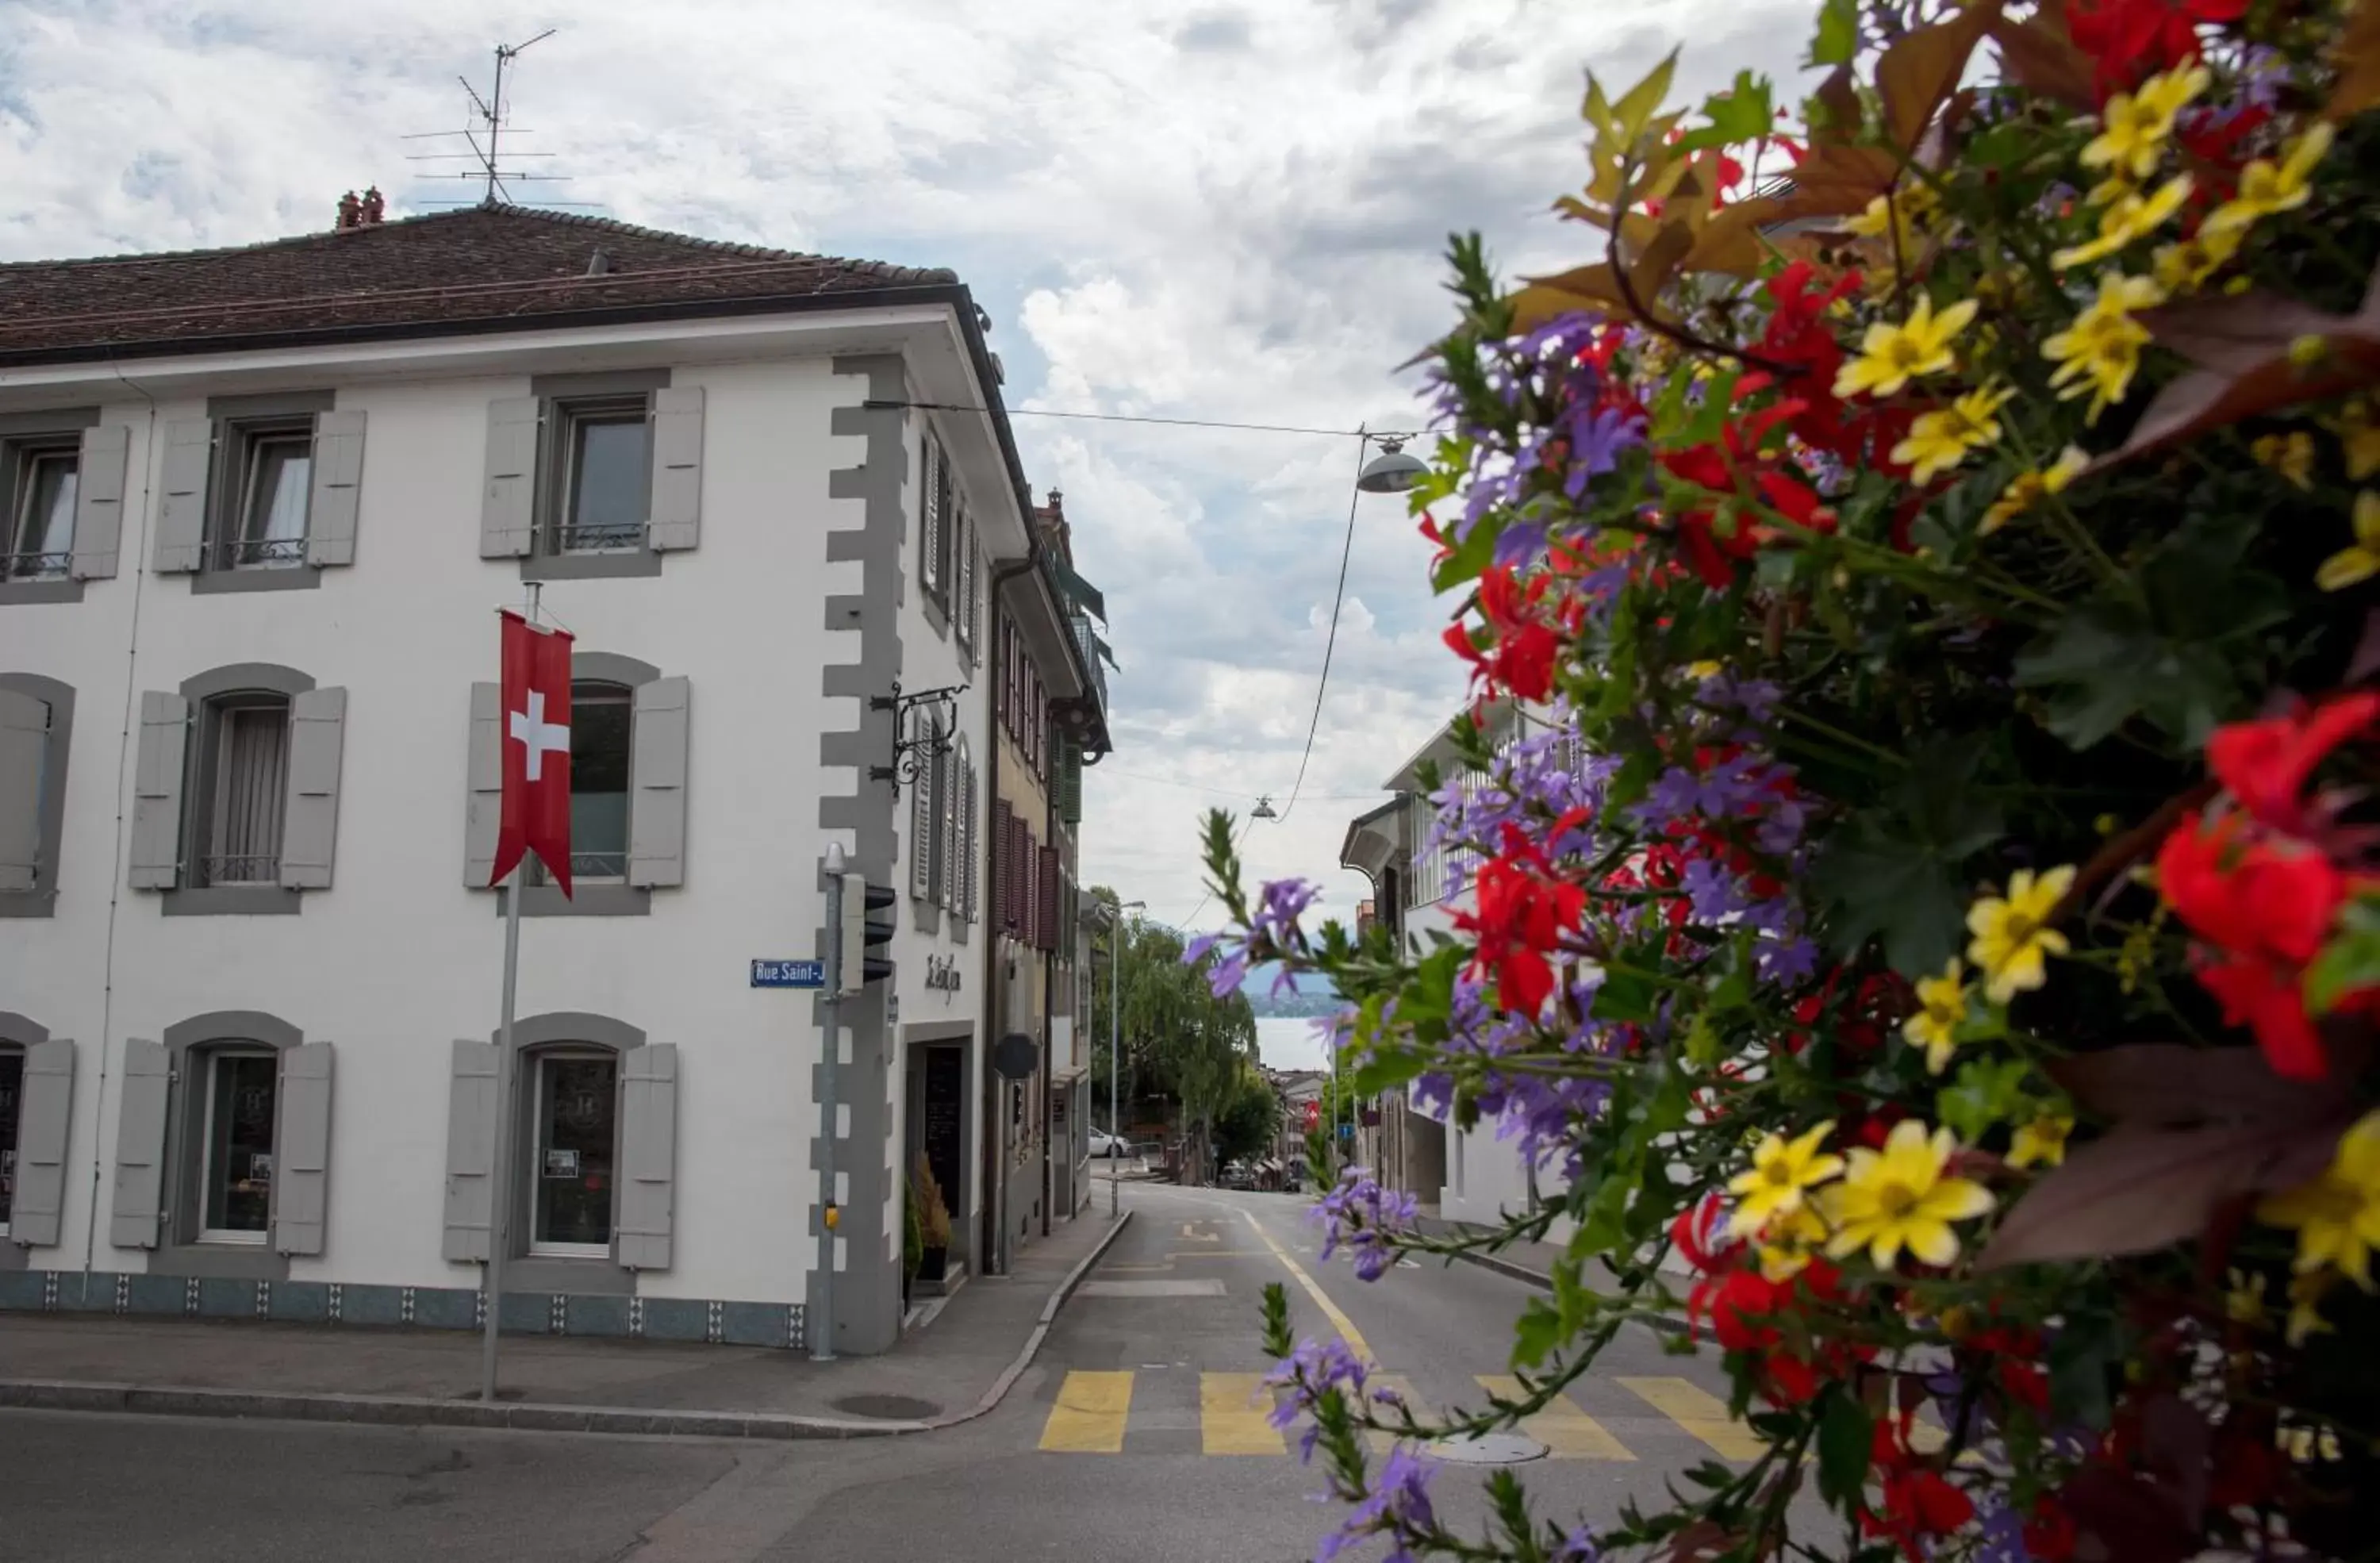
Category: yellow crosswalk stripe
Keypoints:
(1233, 1411)
(1090, 1415)
(1699, 1413)
(1567, 1432)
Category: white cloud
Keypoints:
(1178, 208)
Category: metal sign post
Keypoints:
(822, 1345)
(500, 1176)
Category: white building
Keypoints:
(264, 503)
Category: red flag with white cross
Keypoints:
(536, 719)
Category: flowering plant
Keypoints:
(1925, 921)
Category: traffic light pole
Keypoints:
(822, 1343)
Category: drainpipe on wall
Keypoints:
(995, 985)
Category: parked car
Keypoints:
(1238, 1175)
(1109, 1145)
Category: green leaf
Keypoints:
(1984, 1094)
(1846, 1440)
(1384, 1069)
(2350, 961)
(1469, 557)
(1643, 100)
(1625, 996)
(1537, 1333)
(2081, 1357)
(1838, 37)
(1894, 870)
(1743, 113)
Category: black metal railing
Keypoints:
(609, 539)
(237, 868)
(252, 554)
(34, 566)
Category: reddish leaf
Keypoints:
(2240, 343)
(2140, 1189)
(2131, 1521)
(1838, 96)
(1703, 1539)
(2169, 1086)
(2357, 55)
(2176, 1440)
(1835, 178)
(1922, 67)
(2038, 54)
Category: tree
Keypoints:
(1251, 1119)
(1182, 1043)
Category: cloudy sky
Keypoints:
(1189, 210)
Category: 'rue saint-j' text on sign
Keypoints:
(789, 973)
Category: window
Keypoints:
(42, 514)
(240, 789)
(601, 722)
(12, 1107)
(604, 476)
(236, 1173)
(574, 1149)
(264, 520)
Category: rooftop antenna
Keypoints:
(485, 138)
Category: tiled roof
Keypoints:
(475, 268)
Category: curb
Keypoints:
(39, 1394)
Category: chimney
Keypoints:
(373, 206)
(350, 213)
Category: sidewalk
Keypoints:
(951, 1369)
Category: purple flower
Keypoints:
(1280, 903)
(1578, 1546)
(1363, 1218)
(1596, 439)
(1397, 1507)
(1225, 979)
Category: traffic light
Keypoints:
(862, 932)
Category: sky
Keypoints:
(1180, 210)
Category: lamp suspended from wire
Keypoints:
(1392, 471)
(1264, 809)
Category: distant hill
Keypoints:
(1315, 995)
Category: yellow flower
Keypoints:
(2029, 489)
(1704, 669)
(2243, 1300)
(2101, 350)
(1942, 1007)
(2136, 125)
(2184, 266)
(2338, 1215)
(1890, 355)
(2266, 190)
(2289, 455)
(2041, 1143)
(1941, 439)
(2305, 1307)
(2130, 220)
(1782, 1170)
(2358, 439)
(1902, 1197)
(2359, 560)
(1913, 205)
(2012, 936)
(1790, 1244)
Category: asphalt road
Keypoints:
(1131, 1439)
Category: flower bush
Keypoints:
(1934, 898)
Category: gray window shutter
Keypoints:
(930, 530)
(678, 467)
(338, 488)
(657, 783)
(471, 1151)
(946, 786)
(969, 850)
(157, 791)
(98, 501)
(647, 1156)
(24, 748)
(182, 520)
(140, 1204)
(301, 1189)
(922, 816)
(485, 803)
(507, 506)
(43, 1113)
(309, 828)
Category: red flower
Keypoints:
(1919, 1502)
(2049, 1535)
(2129, 38)
(2264, 996)
(2249, 895)
(1520, 647)
(1522, 913)
(2265, 764)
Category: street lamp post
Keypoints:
(1115, 1044)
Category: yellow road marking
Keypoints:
(1339, 1321)
(1567, 1432)
(1232, 1408)
(1090, 1415)
(1699, 1413)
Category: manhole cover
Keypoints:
(891, 1408)
(1487, 1448)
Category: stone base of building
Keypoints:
(718, 1322)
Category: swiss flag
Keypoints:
(537, 750)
